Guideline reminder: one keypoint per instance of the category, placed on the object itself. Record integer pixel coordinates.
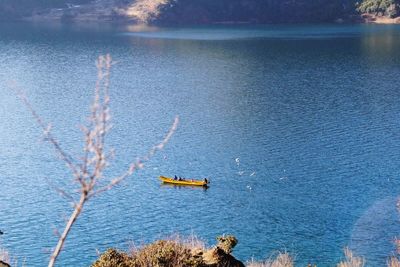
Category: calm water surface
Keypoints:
(312, 113)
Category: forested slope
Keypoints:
(264, 11)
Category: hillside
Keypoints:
(199, 11)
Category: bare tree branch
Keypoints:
(139, 164)
(46, 130)
(88, 172)
(62, 192)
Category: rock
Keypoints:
(227, 243)
(217, 257)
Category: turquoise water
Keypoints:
(310, 112)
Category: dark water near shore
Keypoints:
(312, 113)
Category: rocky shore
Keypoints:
(375, 19)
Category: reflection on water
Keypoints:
(297, 125)
(246, 32)
(141, 28)
(374, 231)
(383, 44)
(184, 187)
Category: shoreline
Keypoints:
(373, 19)
(129, 22)
(103, 16)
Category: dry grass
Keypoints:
(191, 242)
(6, 260)
(351, 260)
(393, 262)
(4, 255)
(281, 260)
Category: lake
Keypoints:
(298, 128)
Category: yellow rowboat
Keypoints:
(192, 182)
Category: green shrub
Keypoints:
(380, 7)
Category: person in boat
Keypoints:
(175, 178)
(180, 178)
(205, 180)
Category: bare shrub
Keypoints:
(113, 258)
(281, 260)
(87, 170)
(167, 253)
(171, 252)
(351, 260)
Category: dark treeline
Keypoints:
(214, 11)
(274, 11)
(15, 9)
(258, 11)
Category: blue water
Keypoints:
(297, 126)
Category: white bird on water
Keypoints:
(237, 161)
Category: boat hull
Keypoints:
(168, 180)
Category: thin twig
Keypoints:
(139, 163)
(89, 169)
(46, 130)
